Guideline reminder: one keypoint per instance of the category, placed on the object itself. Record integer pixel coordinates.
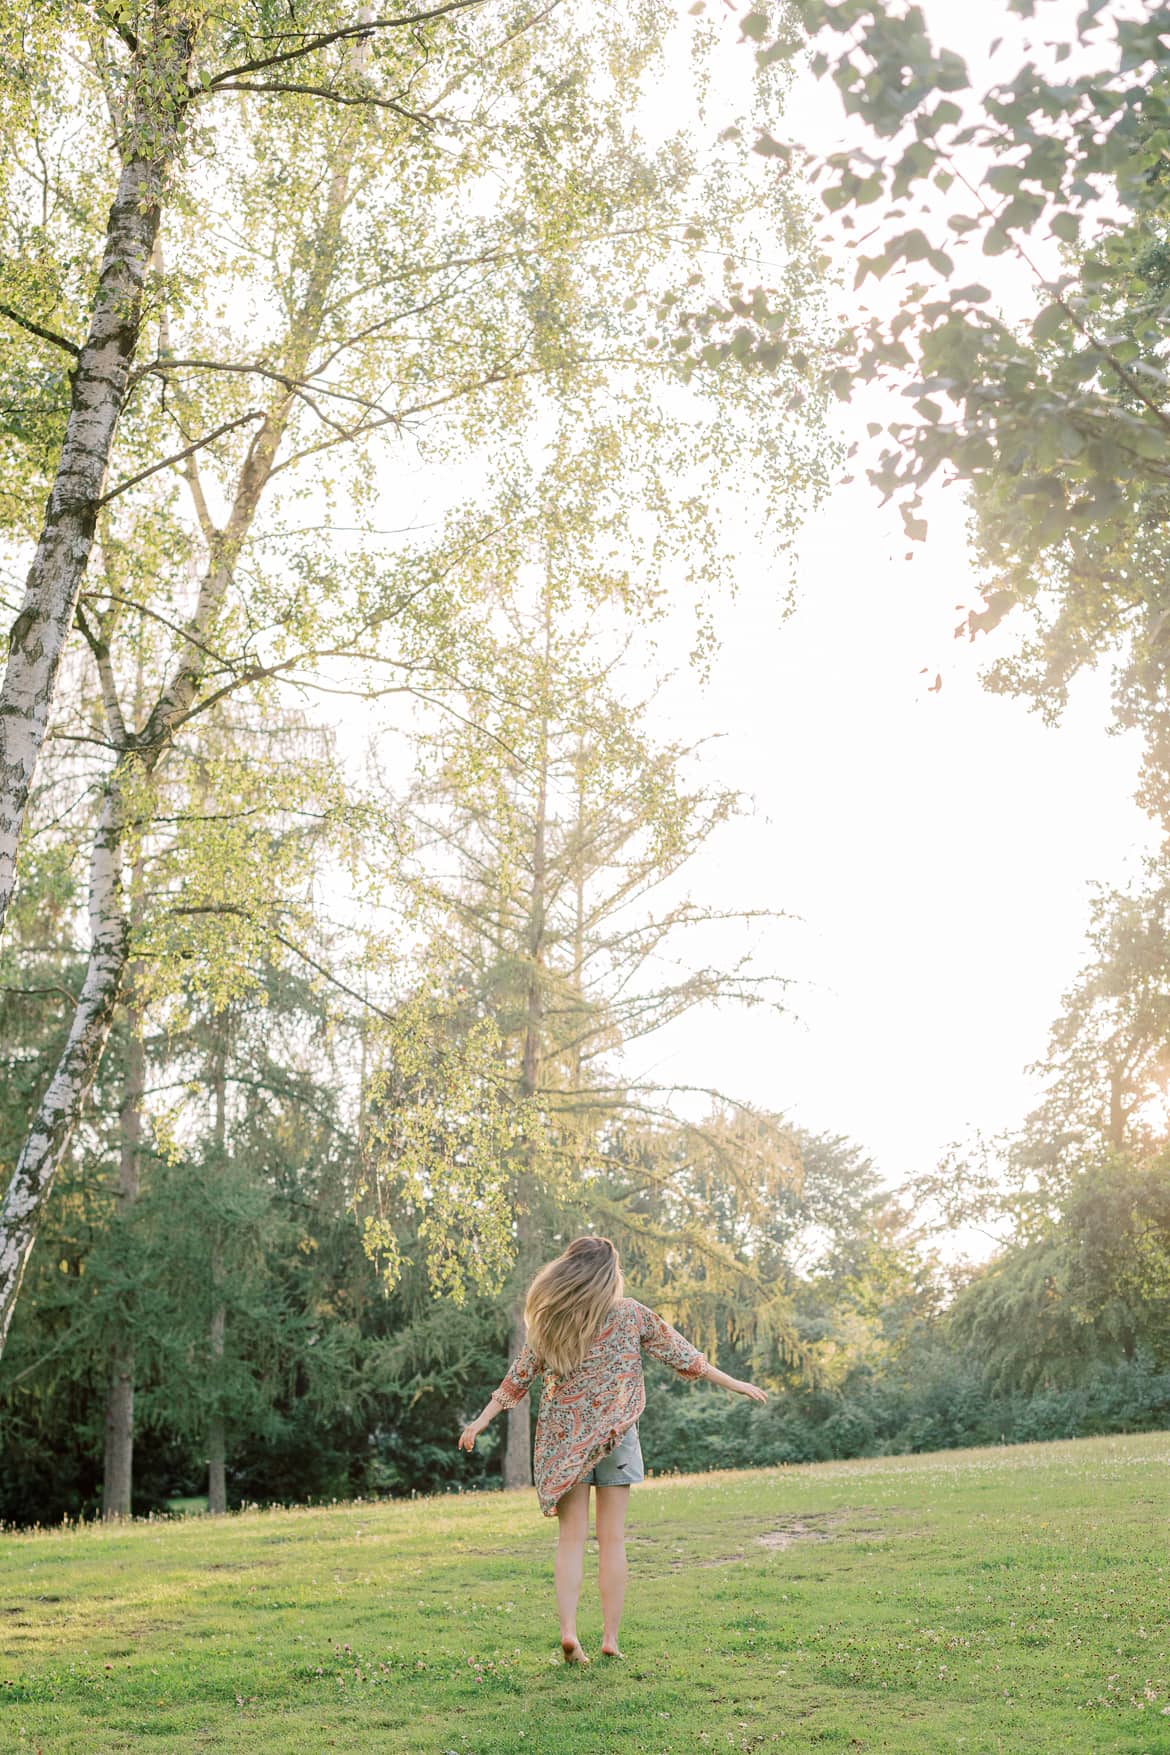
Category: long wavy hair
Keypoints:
(569, 1300)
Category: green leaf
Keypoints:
(1004, 179)
(911, 246)
(767, 147)
(1049, 323)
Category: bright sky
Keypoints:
(938, 847)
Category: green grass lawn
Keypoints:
(1011, 1600)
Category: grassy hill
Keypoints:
(1009, 1600)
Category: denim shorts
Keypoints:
(622, 1467)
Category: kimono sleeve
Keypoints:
(525, 1367)
(665, 1343)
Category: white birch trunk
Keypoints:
(38, 635)
(32, 1180)
(58, 1110)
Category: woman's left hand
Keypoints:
(752, 1392)
(469, 1435)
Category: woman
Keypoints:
(587, 1339)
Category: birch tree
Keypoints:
(482, 236)
(141, 60)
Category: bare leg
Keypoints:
(573, 1517)
(611, 1562)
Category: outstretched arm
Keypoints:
(514, 1387)
(665, 1343)
(737, 1385)
(474, 1427)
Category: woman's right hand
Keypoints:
(469, 1435)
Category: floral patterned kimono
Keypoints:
(583, 1416)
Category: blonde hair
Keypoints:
(569, 1300)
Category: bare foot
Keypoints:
(609, 1648)
(573, 1652)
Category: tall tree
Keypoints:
(356, 323)
(138, 60)
(552, 829)
(1103, 1082)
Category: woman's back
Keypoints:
(584, 1414)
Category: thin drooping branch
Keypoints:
(366, 99)
(165, 622)
(297, 950)
(55, 989)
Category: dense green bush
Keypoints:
(945, 1403)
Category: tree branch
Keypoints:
(347, 435)
(101, 656)
(166, 462)
(297, 950)
(144, 609)
(335, 97)
(57, 990)
(190, 470)
(119, 27)
(299, 387)
(348, 32)
(39, 330)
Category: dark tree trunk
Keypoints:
(518, 1440)
(216, 1438)
(118, 1471)
(518, 1443)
